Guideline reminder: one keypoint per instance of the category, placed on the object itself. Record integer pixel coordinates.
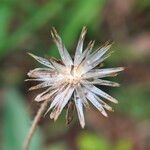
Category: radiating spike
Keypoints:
(41, 85)
(40, 79)
(56, 99)
(79, 107)
(41, 73)
(42, 60)
(65, 56)
(63, 101)
(99, 73)
(85, 54)
(101, 82)
(97, 54)
(80, 93)
(79, 48)
(93, 100)
(105, 105)
(105, 82)
(46, 94)
(90, 47)
(101, 93)
(87, 65)
(51, 82)
(66, 98)
(61, 93)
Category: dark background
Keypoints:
(25, 27)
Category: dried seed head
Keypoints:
(74, 79)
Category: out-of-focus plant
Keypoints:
(31, 24)
(16, 122)
(88, 141)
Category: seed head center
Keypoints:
(73, 77)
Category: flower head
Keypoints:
(72, 81)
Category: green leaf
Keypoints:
(16, 122)
(123, 145)
(90, 141)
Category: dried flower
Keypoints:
(72, 82)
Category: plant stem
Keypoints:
(34, 125)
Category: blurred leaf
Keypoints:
(16, 122)
(123, 145)
(121, 54)
(134, 100)
(5, 16)
(83, 14)
(89, 141)
(126, 54)
(39, 18)
(143, 4)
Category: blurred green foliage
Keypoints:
(134, 101)
(37, 19)
(90, 141)
(17, 122)
(5, 16)
(123, 145)
(143, 4)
